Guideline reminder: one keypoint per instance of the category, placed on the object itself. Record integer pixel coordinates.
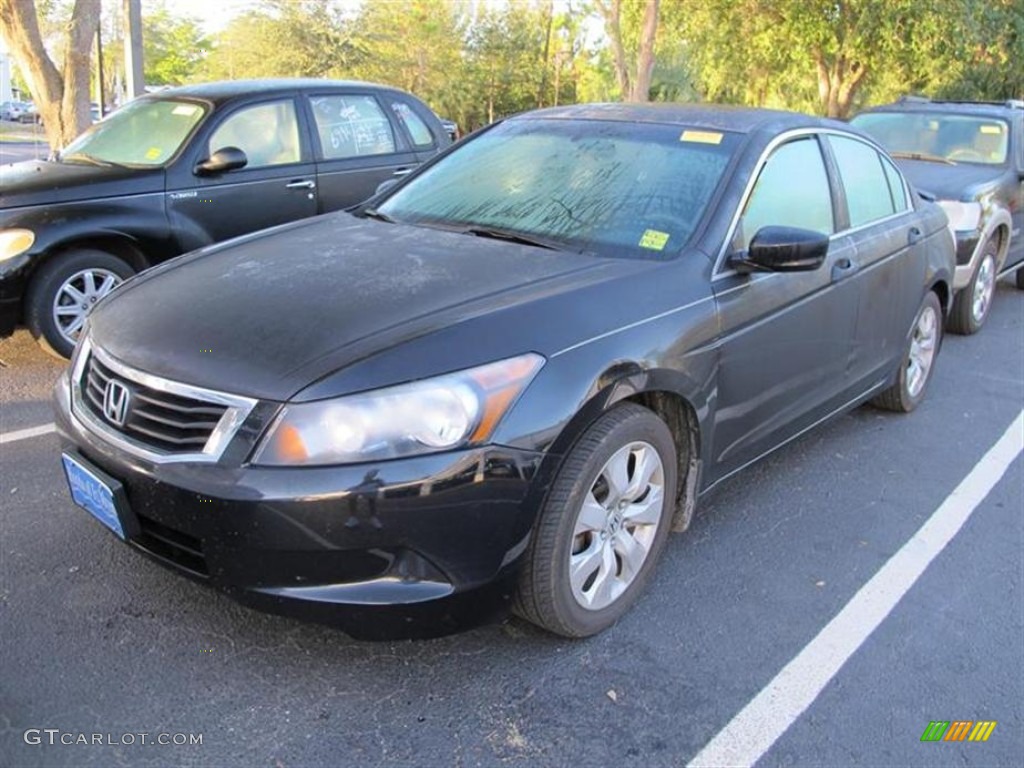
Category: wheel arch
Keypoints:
(661, 391)
(1001, 235)
(942, 290)
(138, 254)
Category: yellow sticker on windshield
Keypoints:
(654, 240)
(702, 137)
(997, 130)
(153, 153)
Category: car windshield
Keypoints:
(938, 137)
(142, 133)
(612, 188)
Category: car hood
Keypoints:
(40, 182)
(950, 182)
(268, 315)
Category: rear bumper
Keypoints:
(405, 548)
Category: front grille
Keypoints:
(167, 422)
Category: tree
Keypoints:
(634, 77)
(174, 47)
(281, 38)
(61, 94)
(826, 55)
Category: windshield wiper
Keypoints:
(89, 159)
(373, 213)
(921, 156)
(512, 237)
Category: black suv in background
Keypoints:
(970, 155)
(186, 167)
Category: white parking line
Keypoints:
(25, 434)
(753, 731)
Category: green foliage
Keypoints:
(475, 61)
(281, 38)
(173, 47)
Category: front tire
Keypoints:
(1019, 277)
(918, 360)
(971, 305)
(63, 293)
(603, 525)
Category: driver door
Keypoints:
(277, 185)
(786, 337)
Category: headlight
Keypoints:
(14, 242)
(437, 414)
(963, 217)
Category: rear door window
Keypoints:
(869, 196)
(352, 125)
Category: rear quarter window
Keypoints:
(414, 124)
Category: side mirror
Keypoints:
(223, 160)
(384, 186)
(782, 249)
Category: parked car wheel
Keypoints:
(971, 305)
(918, 360)
(603, 525)
(63, 293)
(1020, 278)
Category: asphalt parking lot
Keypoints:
(98, 640)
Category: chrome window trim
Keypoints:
(718, 272)
(238, 409)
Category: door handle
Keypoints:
(402, 172)
(304, 184)
(843, 268)
(914, 236)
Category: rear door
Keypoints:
(277, 185)
(358, 146)
(890, 256)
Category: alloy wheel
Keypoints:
(77, 296)
(984, 287)
(616, 526)
(922, 350)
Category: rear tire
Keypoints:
(603, 525)
(63, 292)
(1019, 277)
(971, 305)
(918, 360)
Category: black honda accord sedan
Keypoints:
(503, 381)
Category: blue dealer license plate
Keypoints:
(94, 492)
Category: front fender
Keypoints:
(139, 220)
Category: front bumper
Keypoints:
(404, 548)
(12, 291)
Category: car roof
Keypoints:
(711, 116)
(225, 90)
(981, 109)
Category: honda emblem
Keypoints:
(115, 402)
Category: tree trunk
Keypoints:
(641, 90)
(549, 20)
(613, 24)
(838, 83)
(633, 85)
(62, 97)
